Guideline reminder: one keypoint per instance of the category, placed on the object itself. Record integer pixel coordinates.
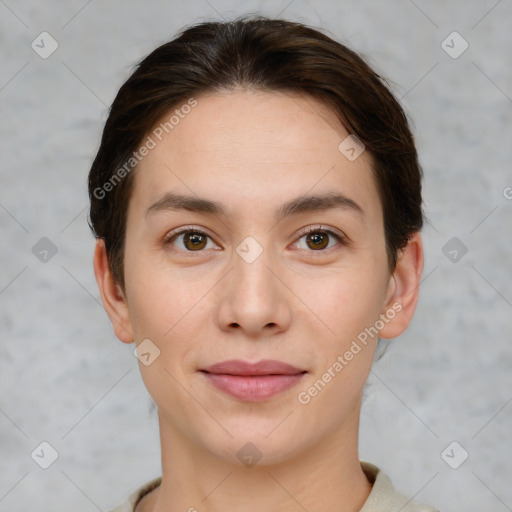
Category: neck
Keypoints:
(326, 476)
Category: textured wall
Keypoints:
(64, 377)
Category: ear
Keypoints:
(403, 290)
(112, 296)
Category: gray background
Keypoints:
(65, 378)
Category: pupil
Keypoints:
(317, 239)
(195, 239)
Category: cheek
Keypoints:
(166, 305)
(158, 311)
(345, 301)
(154, 305)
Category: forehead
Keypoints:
(253, 147)
(258, 122)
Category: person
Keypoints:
(256, 200)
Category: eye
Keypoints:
(317, 238)
(192, 240)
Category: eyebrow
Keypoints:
(309, 203)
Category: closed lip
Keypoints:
(264, 367)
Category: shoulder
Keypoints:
(385, 498)
(129, 504)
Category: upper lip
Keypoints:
(264, 367)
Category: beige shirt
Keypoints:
(383, 497)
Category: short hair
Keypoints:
(256, 52)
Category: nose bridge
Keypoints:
(252, 295)
(251, 274)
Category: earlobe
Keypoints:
(404, 288)
(112, 297)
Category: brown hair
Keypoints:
(268, 54)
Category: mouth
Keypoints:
(253, 381)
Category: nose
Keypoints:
(254, 298)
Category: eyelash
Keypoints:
(311, 229)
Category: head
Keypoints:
(257, 195)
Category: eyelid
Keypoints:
(322, 227)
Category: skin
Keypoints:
(253, 151)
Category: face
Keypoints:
(253, 279)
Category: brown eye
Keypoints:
(196, 240)
(191, 240)
(318, 240)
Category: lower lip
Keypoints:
(253, 388)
